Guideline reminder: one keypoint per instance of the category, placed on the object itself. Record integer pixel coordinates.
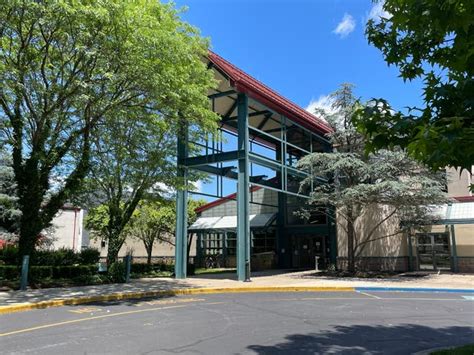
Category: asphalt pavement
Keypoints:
(247, 323)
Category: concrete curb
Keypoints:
(19, 307)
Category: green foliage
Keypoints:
(9, 272)
(9, 209)
(390, 181)
(434, 41)
(89, 256)
(9, 255)
(36, 273)
(153, 222)
(73, 72)
(116, 272)
(460, 350)
(64, 256)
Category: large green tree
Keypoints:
(432, 41)
(387, 187)
(66, 66)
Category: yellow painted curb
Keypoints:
(145, 294)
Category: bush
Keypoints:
(36, 273)
(141, 268)
(89, 256)
(116, 272)
(9, 255)
(9, 272)
(191, 270)
(40, 272)
(60, 257)
(72, 271)
(167, 267)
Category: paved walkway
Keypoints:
(229, 281)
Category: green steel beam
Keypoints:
(226, 171)
(181, 208)
(243, 225)
(210, 159)
(229, 112)
(221, 94)
(253, 114)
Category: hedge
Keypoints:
(11, 272)
(61, 257)
(146, 268)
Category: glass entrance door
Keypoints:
(305, 248)
(433, 251)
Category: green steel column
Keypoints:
(243, 226)
(181, 209)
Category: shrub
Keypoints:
(72, 271)
(9, 272)
(63, 256)
(116, 272)
(89, 256)
(191, 270)
(9, 255)
(167, 267)
(141, 268)
(40, 272)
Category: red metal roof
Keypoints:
(464, 198)
(222, 200)
(262, 93)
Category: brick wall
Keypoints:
(466, 264)
(397, 263)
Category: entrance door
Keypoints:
(433, 251)
(305, 248)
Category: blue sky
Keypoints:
(291, 45)
(303, 49)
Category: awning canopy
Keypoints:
(230, 222)
(456, 213)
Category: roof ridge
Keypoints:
(237, 75)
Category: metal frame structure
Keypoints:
(254, 124)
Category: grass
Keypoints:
(151, 274)
(203, 271)
(462, 350)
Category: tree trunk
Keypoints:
(350, 247)
(149, 251)
(190, 241)
(113, 250)
(350, 241)
(30, 199)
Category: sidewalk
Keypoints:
(261, 281)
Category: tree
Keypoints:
(151, 222)
(66, 66)
(385, 186)
(154, 222)
(433, 41)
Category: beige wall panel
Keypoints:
(458, 183)
(392, 246)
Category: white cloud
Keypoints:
(377, 12)
(346, 26)
(324, 102)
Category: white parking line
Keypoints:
(370, 295)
